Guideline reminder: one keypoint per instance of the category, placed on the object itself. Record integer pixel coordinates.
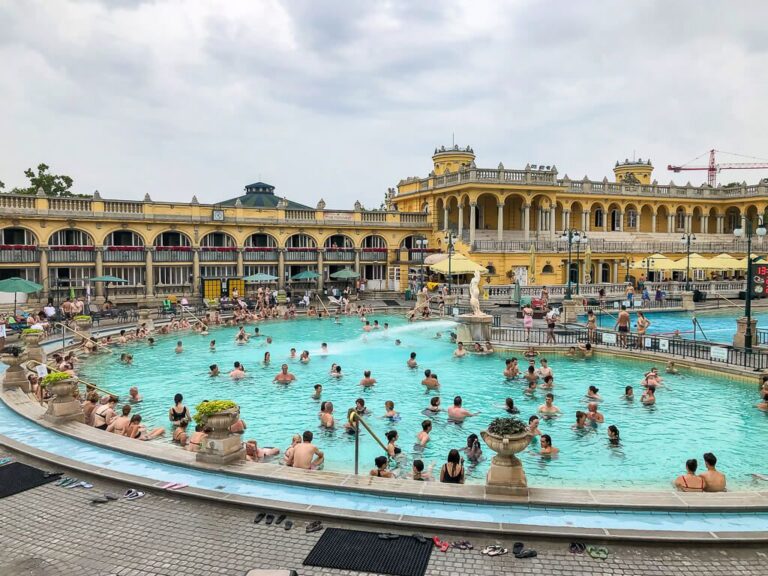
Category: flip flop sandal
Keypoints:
(259, 517)
(63, 480)
(527, 553)
(69, 482)
(445, 546)
(420, 537)
(279, 519)
(81, 485)
(316, 526)
(597, 552)
(167, 485)
(517, 547)
(4, 461)
(47, 474)
(459, 545)
(488, 549)
(498, 551)
(602, 552)
(576, 548)
(136, 495)
(270, 519)
(111, 496)
(129, 492)
(288, 525)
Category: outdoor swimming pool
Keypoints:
(695, 414)
(718, 325)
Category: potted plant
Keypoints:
(32, 337)
(218, 415)
(60, 384)
(83, 321)
(506, 437)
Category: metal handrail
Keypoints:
(75, 378)
(355, 419)
(323, 303)
(64, 329)
(188, 311)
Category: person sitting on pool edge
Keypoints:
(714, 480)
(689, 482)
(452, 471)
(256, 454)
(382, 468)
(306, 455)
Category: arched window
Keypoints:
(631, 218)
(548, 269)
(680, 219)
(599, 218)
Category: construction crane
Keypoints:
(714, 167)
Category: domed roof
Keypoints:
(262, 195)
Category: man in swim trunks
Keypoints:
(459, 352)
(238, 372)
(367, 381)
(622, 326)
(306, 455)
(412, 361)
(545, 370)
(549, 407)
(284, 377)
(457, 413)
(593, 414)
(326, 415)
(714, 481)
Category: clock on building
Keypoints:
(218, 215)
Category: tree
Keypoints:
(52, 184)
(2, 184)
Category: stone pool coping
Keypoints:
(744, 501)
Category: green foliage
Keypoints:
(54, 377)
(51, 184)
(506, 427)
(83, 318)
(31, 331)
(205, 409)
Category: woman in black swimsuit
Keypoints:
(381, 470)
(452, 471)
(179, 412)
(392, 449)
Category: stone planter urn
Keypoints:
(221, 446)
(64, 406)
(506, 474)
(15, 376)
(84, 326)
(146, 319)
(32, 342)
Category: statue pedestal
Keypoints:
(64, 407)
(687, 301)
(222, 450)
(474, 328)
(146, 319)
(15, 376)
(506, 474)
(571, 310)
(741, 331)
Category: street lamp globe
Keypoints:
(739, 232)
(761, 230)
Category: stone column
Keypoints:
(240, 264)
(196, 271)
(539, 222)
(688, 223)
(99, 270)
(500, 222)
(566, 219)
(445, 218)
(551, 221)
(720, 223)
(281, 268)
(461, 220)
(670, 223)
(704, 224)
(653, 222)
(472, 218)
(357, 260)
(150, 272)
(621, 221)
(585, 220)
(320, 271)
(44, 280)
(526, 221)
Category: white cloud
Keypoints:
(341, 99)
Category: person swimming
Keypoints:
(392, 448)
(649, 396)
(434, 406)
(592, 393)
(473, 450)
(318, 392)
(423, 437)
(549, 407)
(614, 438)
(533, 426)
(629, 393)
(509, 406)
(411, 363)
(366, 380)
(390, 413)
(460, 351)
(511, 369)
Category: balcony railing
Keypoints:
(609, 246)
(334, 255)
(72, 254)
(172, 254)
(22, 254)
(300, 255)
(218, 254)
(260, 254)
(368, 255)
(124, 254)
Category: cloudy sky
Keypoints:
(341, 99)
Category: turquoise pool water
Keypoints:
(718, 325)
(18, 428)
(693, 414)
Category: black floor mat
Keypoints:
(391, 302)
(17, 477)
(366, 552)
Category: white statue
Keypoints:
(474, 295)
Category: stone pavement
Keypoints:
(53, 531)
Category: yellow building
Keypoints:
(510, 220)
(513, 220)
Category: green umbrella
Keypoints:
(306, 275)
(113, 279)
(16, 285)
(260, 277)
(345, 274)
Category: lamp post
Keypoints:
(626, 263)
(687, 239)
(648, 263)
(572, 236)
(421, 243)
(449, 239)
(746, 230)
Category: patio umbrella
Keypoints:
(435, 258)
(532, 265)
(306, 275)
(588, 262)
(106, 279)
(345, 274)
(16, 285)
(460, 264)
(260, 277)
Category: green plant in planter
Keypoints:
(205, 409)
(83, 318)
(12, 350)
(31, 331)
(506, 427)
(54, 377)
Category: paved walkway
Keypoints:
(51, 531)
